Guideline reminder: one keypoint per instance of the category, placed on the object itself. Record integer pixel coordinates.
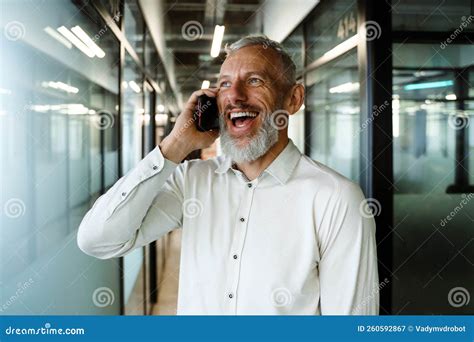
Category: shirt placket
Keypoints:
(240, 231)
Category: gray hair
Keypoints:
(289, 66)
(256, 146)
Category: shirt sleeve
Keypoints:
(348, 257)
(139, 208)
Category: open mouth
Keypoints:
(242, 119)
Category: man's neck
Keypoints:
(254, 168)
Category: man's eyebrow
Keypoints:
(254, 72)
(223, 76)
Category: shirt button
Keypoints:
(249, 185)
(124, 194)
(231, 295)
(155, 167)
(242, 219)
(235, 256)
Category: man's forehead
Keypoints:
(250, 59)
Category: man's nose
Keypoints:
(236, 94)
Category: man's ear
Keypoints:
(296, 98)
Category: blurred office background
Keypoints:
(88, 88)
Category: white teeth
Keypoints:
(241, 114)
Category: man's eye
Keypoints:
(225, 84)
(254, 81)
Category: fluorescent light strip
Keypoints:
(396, 116)
(428, 85)
(60, 86)
(58, 37)
(75, 110)
(343, 47)
(63, 86)
(161, 119)
(4, 91)
(88, 41)
(67, 87)
(77, 43)
(135, 87)
(205, 84)
(70, 109)
(217, 40)
(345, 88)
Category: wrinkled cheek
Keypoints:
(221, 101)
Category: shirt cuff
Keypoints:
(154, 163)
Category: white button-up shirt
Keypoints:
(292, 241)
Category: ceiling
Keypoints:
(189, 30)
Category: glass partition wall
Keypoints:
(334, 54)
(71, 123)
(433, 143)
(333, 114)
(389, 104)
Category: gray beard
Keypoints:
(257, 146)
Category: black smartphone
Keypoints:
(206, 115)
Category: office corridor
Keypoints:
(168, 284)
(88, 89)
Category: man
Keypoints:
(265, 230)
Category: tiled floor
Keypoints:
(168, 288)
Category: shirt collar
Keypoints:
(224, 164)
(280, 168)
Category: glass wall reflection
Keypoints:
(59, 151)
(132, 119)
(433, 168)
(333, 111)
